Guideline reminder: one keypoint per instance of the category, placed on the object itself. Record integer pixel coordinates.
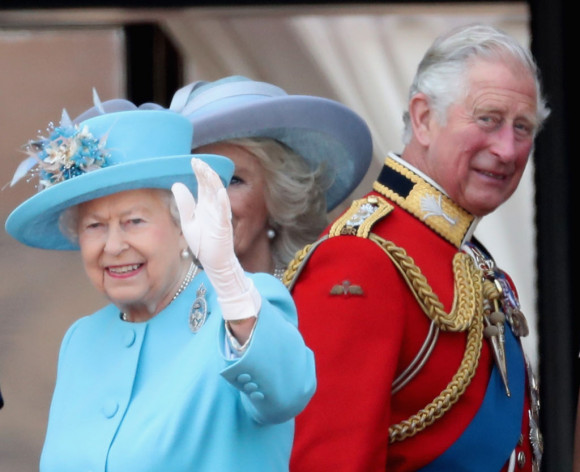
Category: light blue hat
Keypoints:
(318, 129)
(99, 156)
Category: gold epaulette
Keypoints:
(358, 220)
(360, 217)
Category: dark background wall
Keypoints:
(552, 25)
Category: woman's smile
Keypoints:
(124, 271)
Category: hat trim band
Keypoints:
(229, 90)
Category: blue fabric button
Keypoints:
(130, 337)
(250, 387)
(244, 378)
(256, 396)
(110, 408)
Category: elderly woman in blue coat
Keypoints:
(194, 365)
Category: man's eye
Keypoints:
(487, 120)
(524, 129)
(236, 180)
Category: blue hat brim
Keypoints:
(318, 129)
(36, 221)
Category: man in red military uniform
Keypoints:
(414, 327)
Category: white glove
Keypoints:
(207, 228)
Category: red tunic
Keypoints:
(363, 339)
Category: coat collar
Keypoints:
(423, 198)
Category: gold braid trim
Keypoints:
(490, 291)
(467, 300)
(467, 304)
(294, 266)
(450, 395)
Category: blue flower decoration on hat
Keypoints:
(69, 150)
(113, 147)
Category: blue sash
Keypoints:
(492, 435)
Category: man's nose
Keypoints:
(504, 143)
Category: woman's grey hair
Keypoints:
(442, 73)
(68, 221)
(295, 195)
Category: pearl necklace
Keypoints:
(279, 272)
(191, 273)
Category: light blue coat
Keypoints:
(156, 397)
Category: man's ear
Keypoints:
(421, 117)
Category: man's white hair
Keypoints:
(442, 73)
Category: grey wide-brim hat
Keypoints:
(318, 129)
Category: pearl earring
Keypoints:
(271, 233)
(185, 253)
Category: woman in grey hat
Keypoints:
(296, 158)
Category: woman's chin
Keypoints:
(126, 303)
